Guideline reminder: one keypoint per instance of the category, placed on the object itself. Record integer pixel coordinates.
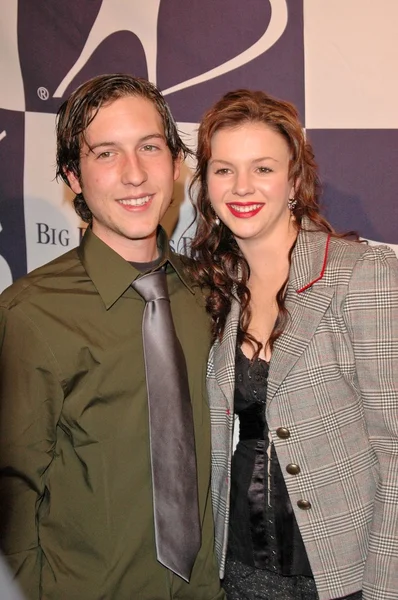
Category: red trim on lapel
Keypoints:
(322, 270)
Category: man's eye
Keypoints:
(106, 154)
(149, 148)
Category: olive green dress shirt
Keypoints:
(76, 510)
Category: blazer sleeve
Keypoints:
(31, 399)
(371, 313)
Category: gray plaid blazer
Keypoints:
(333, 384)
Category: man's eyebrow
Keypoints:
(113, 144)
(151, 136)
(100, 145)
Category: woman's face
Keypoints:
(248, 181)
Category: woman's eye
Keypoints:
(264, 170)
(222, 171)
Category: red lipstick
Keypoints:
(244, 210)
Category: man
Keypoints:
(77, 510)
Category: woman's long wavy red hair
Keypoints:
(219, 264)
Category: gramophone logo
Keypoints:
(142, 20)
(51, 56)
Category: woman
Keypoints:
(305, 331)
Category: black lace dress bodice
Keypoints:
(263, 529)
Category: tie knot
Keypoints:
(152, 286)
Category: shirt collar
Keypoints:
(112, 275)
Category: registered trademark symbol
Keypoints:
(43, 93)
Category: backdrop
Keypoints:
(335, 60)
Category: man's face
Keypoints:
(127, 176)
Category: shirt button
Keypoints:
(283, 433)
(304, 504)
(293, 469)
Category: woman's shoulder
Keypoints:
(343, 248)
(362, 266)
(340, 259)
(350, 250)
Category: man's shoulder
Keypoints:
(51, 276)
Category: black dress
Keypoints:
(266, 554)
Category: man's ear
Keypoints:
(73, 181)
(177, 166)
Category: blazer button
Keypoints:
(293, 469)
(283, 433)
(304, 504)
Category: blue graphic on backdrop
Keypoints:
(12, 221)
(193, 51)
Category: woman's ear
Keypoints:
(295, 187)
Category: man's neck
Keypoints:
(133, 250)
(143, 267)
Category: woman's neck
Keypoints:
(269, 270)
(269, 257)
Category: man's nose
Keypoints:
(133, 171)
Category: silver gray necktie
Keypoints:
(172, 441)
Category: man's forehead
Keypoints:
(132, 104)
(118, 122)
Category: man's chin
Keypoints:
(142, 235)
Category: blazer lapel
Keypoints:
(224, 354)
(307, 299)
